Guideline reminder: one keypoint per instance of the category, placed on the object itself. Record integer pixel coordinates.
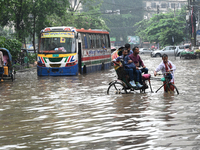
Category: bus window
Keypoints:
(83, 40)
(94, 40)
(97, 41)
(91, 36)
(89, 40)
(107, 41)
(103, 40)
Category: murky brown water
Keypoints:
(74, 113)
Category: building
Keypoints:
(153, 7)
(76, 5)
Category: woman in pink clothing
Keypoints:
(5, 59)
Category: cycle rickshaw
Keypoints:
(169, 86)
(122, 85)
(8, 70)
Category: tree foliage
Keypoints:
(165, 29)
(13, 45)
(120, 17)
(6, 32)
(89, 17)
(31, 16)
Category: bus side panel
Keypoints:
(96, 68)
(95, 57)
(96, 63)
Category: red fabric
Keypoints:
(168, 66)
(171, 87)
(146, 76)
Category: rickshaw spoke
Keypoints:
(116, 88)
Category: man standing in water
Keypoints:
(166, 66)
(1, 65)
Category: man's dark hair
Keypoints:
(134, 48)
(127, 45)
(125, 49)
(164, 55)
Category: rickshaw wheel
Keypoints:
(116, 88)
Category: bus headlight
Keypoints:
(41, 64)
(70, 64)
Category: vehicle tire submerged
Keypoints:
(158, 55)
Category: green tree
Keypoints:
(88, 17)
(163, 28)
(13, 45)
(37, 18)
(120, 17)
(30, 16)
(7, 33)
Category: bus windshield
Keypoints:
(58, 45)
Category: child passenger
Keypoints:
(129, 66)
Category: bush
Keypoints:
(13, 45)
(32, 57)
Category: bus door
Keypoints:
(79, 58)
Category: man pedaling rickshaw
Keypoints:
(129, 67)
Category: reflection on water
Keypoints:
(75, 113)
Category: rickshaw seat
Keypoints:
(121, 73)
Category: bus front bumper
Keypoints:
(62, 71)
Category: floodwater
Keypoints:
(75, 113)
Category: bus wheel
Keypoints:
(84, 69)
(102, 66)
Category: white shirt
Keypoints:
(1, 59)
(161, 67)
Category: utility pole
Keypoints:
(174, 10)
(157, 9)
(193, 22)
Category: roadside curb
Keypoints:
(27, 69)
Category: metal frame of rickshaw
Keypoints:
(123, 81)
(11, 71)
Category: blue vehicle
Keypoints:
(8, 69)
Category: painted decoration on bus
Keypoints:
(67, 59)
(57, 34)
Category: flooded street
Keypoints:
(75, 113)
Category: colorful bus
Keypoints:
(70, 51)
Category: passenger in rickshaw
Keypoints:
(129, 67)
(1, 65)
(128, 47)
(5, 59)
(138, 63)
